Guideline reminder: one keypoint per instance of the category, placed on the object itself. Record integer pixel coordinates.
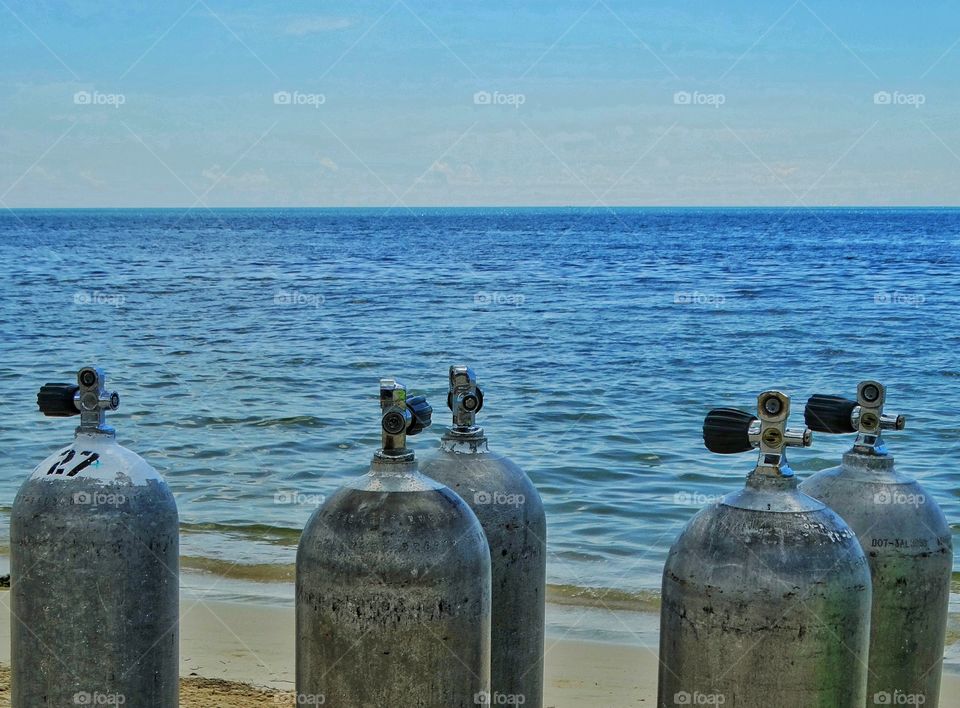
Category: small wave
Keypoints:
(276, 535)
(295, 421)
(259, 572)
(608, 598)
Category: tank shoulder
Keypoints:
(397, 532)
(879, 504)
(352, 510)
(97, 459)
(732, 526)
(479, 472)
(818, 479)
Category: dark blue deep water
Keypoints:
(247, 345)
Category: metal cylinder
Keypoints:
(766, 595)
(511, 513)
(94, 576)
(910, 551)
(393, 591)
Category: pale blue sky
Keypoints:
(113, 103)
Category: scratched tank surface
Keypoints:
(766, 609)
(393, 582)
(393, 586)
(908, 545)
(94, 578)
(511, 514)
(508, 507)
(766, 595)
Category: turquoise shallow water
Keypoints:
(247, 344)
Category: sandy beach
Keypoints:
(241, 656)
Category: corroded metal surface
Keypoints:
(94, 581)
(393, 596)
(909, 547)
(511, 513)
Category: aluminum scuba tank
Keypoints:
(393, 584)
(94, 568)
(907, 541)
(511, 513)
(766, 594)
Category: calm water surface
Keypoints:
(247, 345)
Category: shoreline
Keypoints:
(241, 655)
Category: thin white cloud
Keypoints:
(91, 178)
(304, 26)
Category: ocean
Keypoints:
(247, 346)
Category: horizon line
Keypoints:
(605, 207)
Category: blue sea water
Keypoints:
(247, 345)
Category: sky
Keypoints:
(207, 103)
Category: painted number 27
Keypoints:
(85, 458)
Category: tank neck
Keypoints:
(765, 493)
(385, 462)
(784, 481)
(94, 436)
(390, 474)
(870, 444)
(105, 433)
(464, 439)
(869, 465)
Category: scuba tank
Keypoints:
(94, 568)
(766, 594)
(393, 584)
(511, 513)
(907, 542)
